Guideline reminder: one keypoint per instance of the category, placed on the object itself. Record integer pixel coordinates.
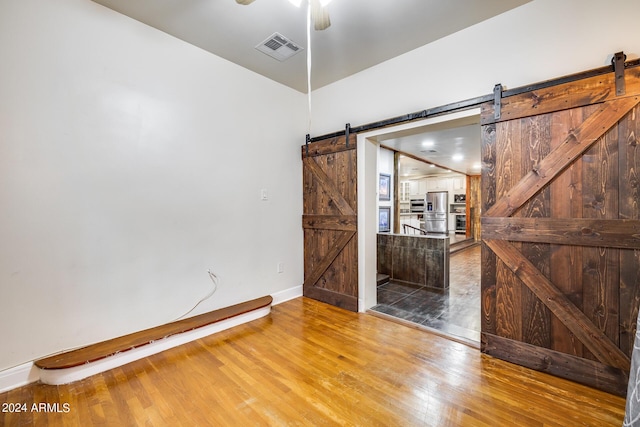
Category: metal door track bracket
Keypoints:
(347, 130)
(618, 68)
(308, 138)
(497, 101)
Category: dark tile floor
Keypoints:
(455, 312)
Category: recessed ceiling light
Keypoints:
(432, 166)
(457, 157)
(428, 143)
(477, 165)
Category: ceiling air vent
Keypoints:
(279, 47)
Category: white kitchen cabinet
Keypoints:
(422, 187)
(438, 184)
(434, 184)
(449, 183)
(431, 184)
(445, 184)
(452, 223)
(405, 191)
(459, 183)
(414, 187)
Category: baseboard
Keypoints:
(286, 295)
(68, 375)
(28, 373)
(18, 376)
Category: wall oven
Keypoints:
(461, 223)
(417, 205)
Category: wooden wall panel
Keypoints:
(565, 261)
(590, 91)
(330, 221)
(629, 196)
(509, 290)
(601, 273)
(561, 229)
(582, 370)
(488, 261)
(629, 298)
(535, 137)
(474, 207)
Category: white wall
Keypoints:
(367, 221)
(128, 166)
(541, 40)
(130, 163)
(386, 166)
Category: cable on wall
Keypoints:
(214, 280)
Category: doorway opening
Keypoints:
(437, 154)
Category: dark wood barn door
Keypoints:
(330, 222)
(561, 229)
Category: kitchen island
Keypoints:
(416, 259)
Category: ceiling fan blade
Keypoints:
(245, 2)
(319, 15)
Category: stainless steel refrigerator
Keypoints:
(435, 212)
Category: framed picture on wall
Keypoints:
(384, 188)
(384, 219)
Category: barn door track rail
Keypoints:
(497, 96)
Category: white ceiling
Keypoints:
(363, 33)
(445, 147)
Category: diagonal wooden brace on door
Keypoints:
(327, 260)
(577, 142)
(328, 186)
(605, 350)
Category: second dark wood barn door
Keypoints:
(561, 230)
(330, 222)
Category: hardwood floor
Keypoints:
(455, 311)
(309, 363)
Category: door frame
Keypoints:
(368, 154)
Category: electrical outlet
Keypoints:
(280, 267)
(263, 194)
